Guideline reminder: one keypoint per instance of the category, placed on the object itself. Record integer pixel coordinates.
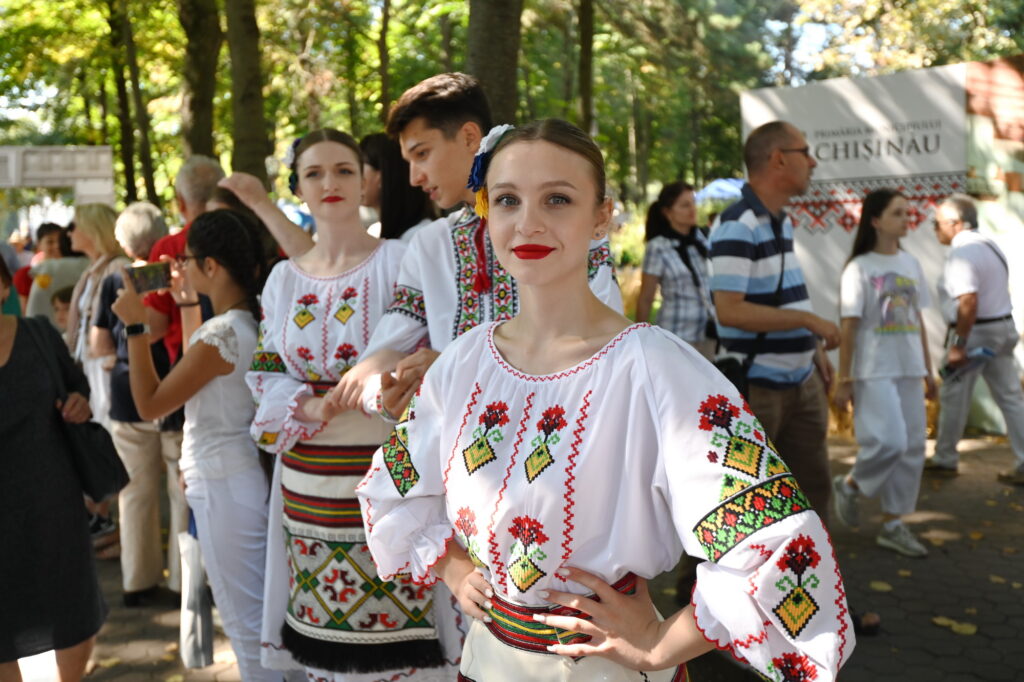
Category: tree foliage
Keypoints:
(660, 78)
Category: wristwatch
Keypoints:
(957, 340)
(131, 330)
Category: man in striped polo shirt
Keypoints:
(759, 289)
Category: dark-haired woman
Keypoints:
(324, 605)
(403, 209)
(883, 357)
(676, 261)
(225, 485)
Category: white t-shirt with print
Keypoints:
(887, 293)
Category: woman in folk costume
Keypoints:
(552, 463)
(324, 606)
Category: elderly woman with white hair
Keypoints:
(145, 448)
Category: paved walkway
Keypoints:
(956, 616)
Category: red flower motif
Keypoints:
(716, 410)
(308, 300)
(466, 522)
(552, 419)
(305, 353)
(496, 414)
(528, 531)
(795, 668)
(799, 556)
(712, 456)
(346, 352)
(349, 293)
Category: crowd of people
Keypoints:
(436, 449)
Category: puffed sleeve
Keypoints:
(404, 322)
(601, 273)
(769, 591)
(277, 425)
(402, 495)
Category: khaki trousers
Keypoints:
(796, 420)
(146, 452)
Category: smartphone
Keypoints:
(151, 276)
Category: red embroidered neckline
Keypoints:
(351, 271)
(565, 372)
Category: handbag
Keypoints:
(195, 637)
(100, 470)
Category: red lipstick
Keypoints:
(332, 199)
(532, 251)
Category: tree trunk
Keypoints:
(568, 72)
(104, 99)
(351, 49)
(141, 112)
(250, 142)
(492, 53)
(124, 111)
(87, 109)
(385, 62)
(447, 53)
(200, 20)
(586, 78)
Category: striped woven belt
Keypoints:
(514, 625)
(321, 388)
(321, 461)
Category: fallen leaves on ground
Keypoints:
(976, 535)
(880, 586)
(109, 662)
(997, 579)
(904, 573)
(958, 627)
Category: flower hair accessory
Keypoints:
(480, 163)
(289, 162)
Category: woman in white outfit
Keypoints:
(224, 483)
(552, 463)
(883, 357)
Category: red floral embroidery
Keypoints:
(716, 410)
(346, 352)
(552, 419)
(528, 531)
(496, 414)
(305, 353)
(466, 522)
(799, 556)
(308, 300)
(795, 668)
(350, 292)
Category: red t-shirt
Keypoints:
(171, 245)
(23, 281)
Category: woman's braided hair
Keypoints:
(231, 239)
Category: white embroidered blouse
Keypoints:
(314, 329)
(616, 465)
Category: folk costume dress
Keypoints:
(614, 466)
(324, 605)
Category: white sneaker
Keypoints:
(900, 539)
(845, 502)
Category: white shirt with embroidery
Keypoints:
(616, 465)
(314, 329)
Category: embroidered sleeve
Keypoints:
(601, 272)
(219, 333)
(770, 590)
(276, 390)
(402, 495)
(405, 321)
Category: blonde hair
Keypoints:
(97, 222)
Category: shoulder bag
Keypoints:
(100, 470)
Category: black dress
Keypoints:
(49, 595)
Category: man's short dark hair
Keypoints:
(764, 140)
(446, 101)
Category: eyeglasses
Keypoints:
(940, 223)
(806, 151)
(182, 259)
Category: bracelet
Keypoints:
(845, 380)
(383, 411)
(188, 305)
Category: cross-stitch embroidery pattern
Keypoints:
(551, 422)
(303, 310)
(525, 552)
(480, 451)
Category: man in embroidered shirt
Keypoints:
(976, 303)
(751, 245)
(450, 280)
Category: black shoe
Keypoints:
(145, 597)
(930, 467)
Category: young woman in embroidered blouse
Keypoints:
(567, 453)
(225, 485)
(319, 310)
